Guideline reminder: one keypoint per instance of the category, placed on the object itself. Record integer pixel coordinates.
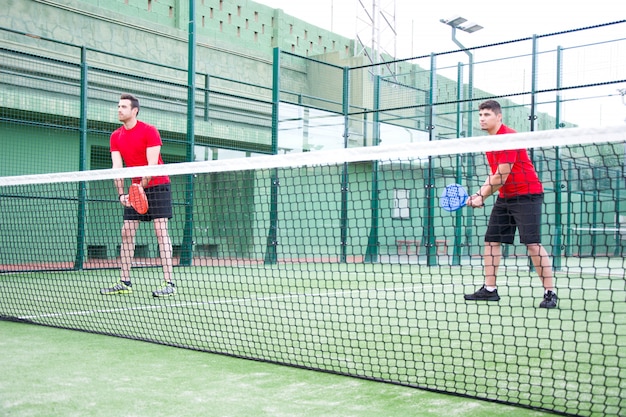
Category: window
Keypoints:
(401, 204)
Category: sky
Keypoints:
(420, 32)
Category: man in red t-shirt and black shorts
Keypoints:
(139, 144)
(518, 206)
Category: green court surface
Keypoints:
(54, 372)
(402, 323)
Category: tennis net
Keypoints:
(344, 262)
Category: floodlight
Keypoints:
(471, 27)
(454, 21)
(461, 23)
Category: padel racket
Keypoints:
(137, 198)
(453, 198)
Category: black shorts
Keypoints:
(509, 214)
(159, 204)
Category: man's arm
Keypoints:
(492, 184)
(152, 154)
(118, 162)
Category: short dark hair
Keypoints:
(491, 105)
(134, 101)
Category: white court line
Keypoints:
(413, 287)
(216, 302)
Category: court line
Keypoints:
(225, 301)
(412, 287)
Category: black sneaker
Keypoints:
(483, 295)
(549, 300)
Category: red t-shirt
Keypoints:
(523, 178)
(132, 145)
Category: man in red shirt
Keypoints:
(134, 144)
(518, 206)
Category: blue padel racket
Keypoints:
(453, 198)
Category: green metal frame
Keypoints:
(373, 243)
(464, 172)
(82, 163)
(429, 227)
(344, 171)
(186, 256)
(271, 255)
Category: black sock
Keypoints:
(127, 283)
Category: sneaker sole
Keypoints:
(115, 292)
(163, 295)
(482, 299)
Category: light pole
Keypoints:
(458, 22)
(461, 23)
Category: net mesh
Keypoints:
(344, 262)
